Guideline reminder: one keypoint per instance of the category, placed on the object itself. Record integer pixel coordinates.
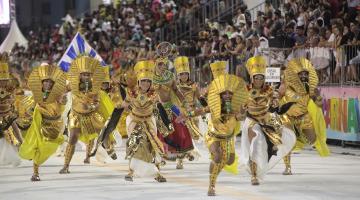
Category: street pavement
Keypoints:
(315, 178)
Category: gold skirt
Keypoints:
(138, 145)
(90, 124)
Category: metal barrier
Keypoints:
(340, 66)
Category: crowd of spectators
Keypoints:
(325, 31)
(121, 34)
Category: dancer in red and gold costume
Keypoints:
(191, 92)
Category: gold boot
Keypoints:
(215, 169)
(69, 152)
(130, 175)
(35, 176)
(287, 165)
(159, 178)
(89, 148)
(253, 168)
(179, 164)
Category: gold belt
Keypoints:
(51, 118)
(85, 114)
(223, 137)
(141, 117)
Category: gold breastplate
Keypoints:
(300, 107)
(222, 128)
(188, 92)
(83, 99)
(142, 105)
(259, 102)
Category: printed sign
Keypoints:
(272, 74)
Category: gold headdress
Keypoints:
(256, 65)
(86, 64)
(4, 67)
(231, 83)
(44, 72)
(107, 74)
(295, 66)
(300, 64)
(182, 64)
(218, 68)
(144, 70)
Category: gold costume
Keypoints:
(8, 113)
(263, 126)
(85, 113)
(143, 143)
(10, 135)
(191, 93)
(304, 114)
(90, 106)
(261, 100)
(45, 133)
(222, 127)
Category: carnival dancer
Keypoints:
(305, 115)
(176, 136)
(90, 106)
(143, 148)
(265, 140)
(48, 85)
(227, 95)
(10, 135)
(191, 92)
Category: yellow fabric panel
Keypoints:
(320, 128)
(233, 168)
(36, 147)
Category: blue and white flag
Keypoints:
(78, 46)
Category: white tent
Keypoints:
(14, 36)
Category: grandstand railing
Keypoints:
(253, 11)
(185, 28)
(325, 60)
